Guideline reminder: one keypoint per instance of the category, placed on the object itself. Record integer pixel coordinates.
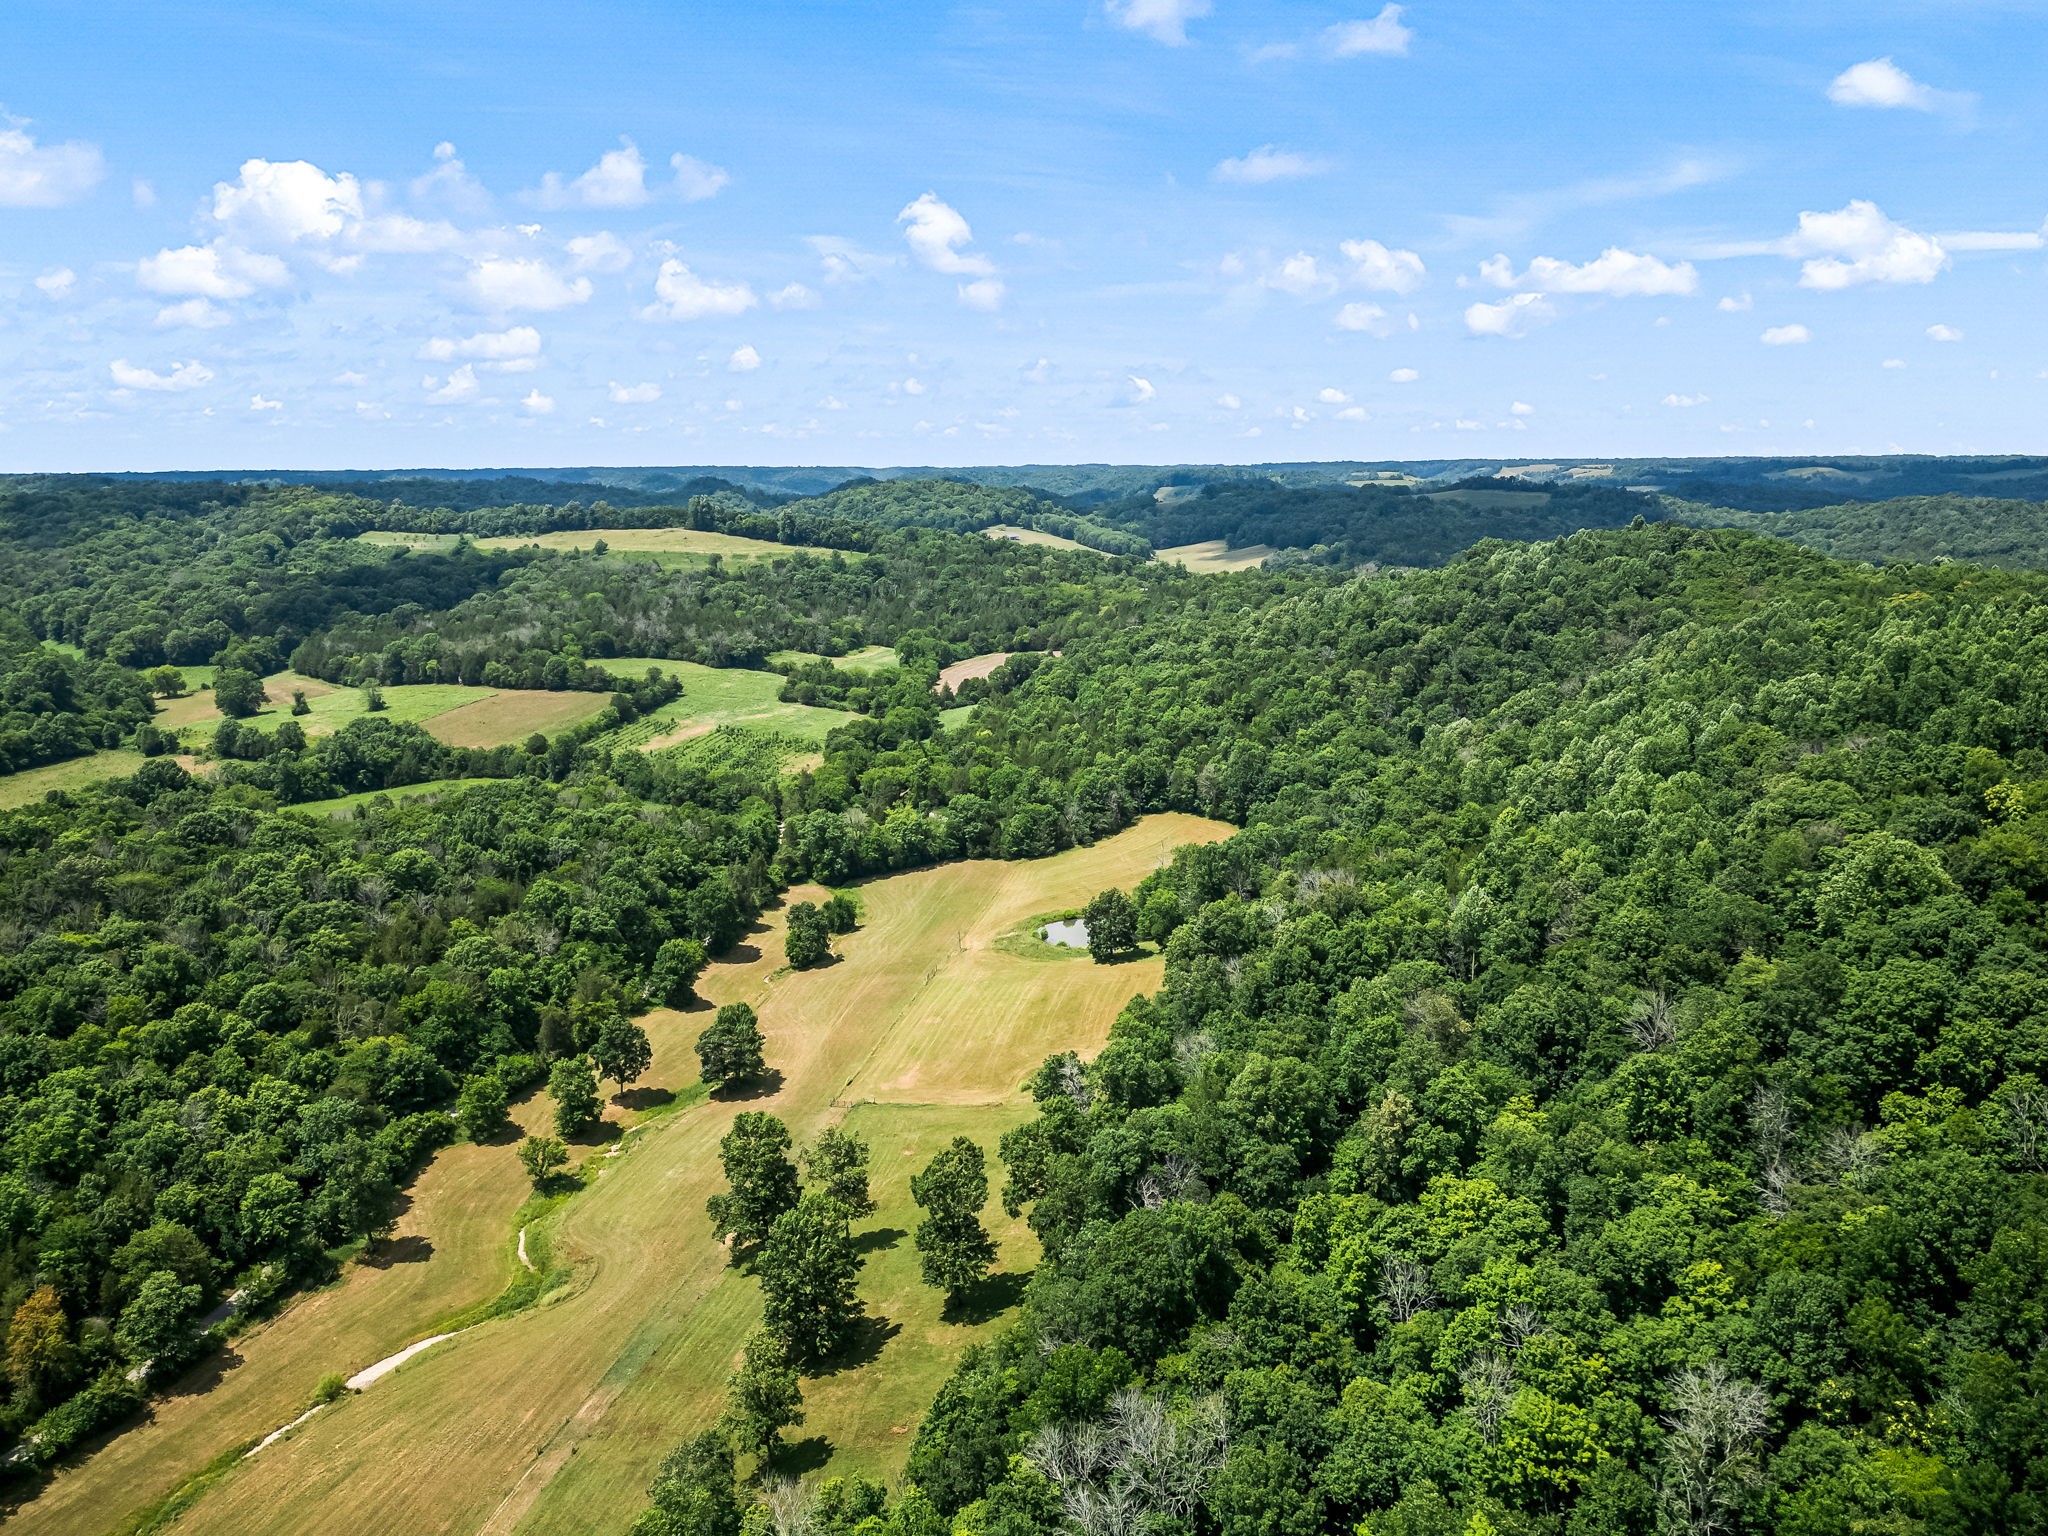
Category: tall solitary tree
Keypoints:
(1112, 922)
(809, 939)
(808, 1267)
(954, 1250)
(729, 1050)
(755, 1156)
(238, 693)
(542, 1157)
(621, 1050)
(836, 1164)
(573, 1086)
(763, 1397)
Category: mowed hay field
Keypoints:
(457, 714)
(1032, 536)
(455, 1245)
(1214, 556)
(553, 1420)
(716, 696)
(31, 784)
(667, 546)
(869, 658)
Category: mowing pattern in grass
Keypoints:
(1213, 556)
(513, 714)
(452, 1261)
(714, 697)
(554, 1419)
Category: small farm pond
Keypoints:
(1071, 932)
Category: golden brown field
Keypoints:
(553, 1419)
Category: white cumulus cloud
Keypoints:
(537, 404)
(697, 179)
(984, 293)
(181, 377)
(1939, 332)
(1403, 376)
(618, 180)
(259, 402)
(521, 282)
(681, 294)
(1383, 34)
(1301, 275)
(1880, 83)
(521, 341)
(57, 282)
(36, 175)
(793, 296)
(1614, 273)
(1360, 317)
(1685, 402)
(1521, 408)
(1331, 395)
(1141, 390)
(632, 394)
(289, 201)
(1786, 336)
(1267, 163)
(459, 385)
(1165, 21)
(936, 232)
(1353, 413)
(1514, 316)
(1376, 267)
(601, 252)
(743, 360)
(1859, 244)
(218, 271)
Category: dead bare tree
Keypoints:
(1651, 1023)
(1711, 1433)
(2026, 1126)
(1519, 1324)
(1405, 1288)
(1488, 1383)
(1174, 1179)
(1138, 1462)
(791, 1505)
(1770, 1125)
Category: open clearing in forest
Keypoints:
(664, 546)
(31, 784)
(459, 715)
(554, 1419)
(1018, 535)
(1213, 556)
(342, 804)
(667, 546)
(869, 658)
(716, 696)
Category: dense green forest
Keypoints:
(1599, 1088)
(1981, 529)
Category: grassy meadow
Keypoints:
(1214, 556)
(715, 697)
(554, 1418)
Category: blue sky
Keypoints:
(378, 234)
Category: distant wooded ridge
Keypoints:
(1752, 484)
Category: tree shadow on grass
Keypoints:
(411, 1249)
(863, 1345)
(799, 1457)
(880, 1240)
(601, 1134)
(990, 1298)
(642, 1099)
(740, 1090)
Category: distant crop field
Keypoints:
(714, 697)
(513, 714)
(974, 666)
(1032, 536)
(1214, 556)
(460, 715)
(31, 784)
(869, 658)
(552, 1420)
(669, 546)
